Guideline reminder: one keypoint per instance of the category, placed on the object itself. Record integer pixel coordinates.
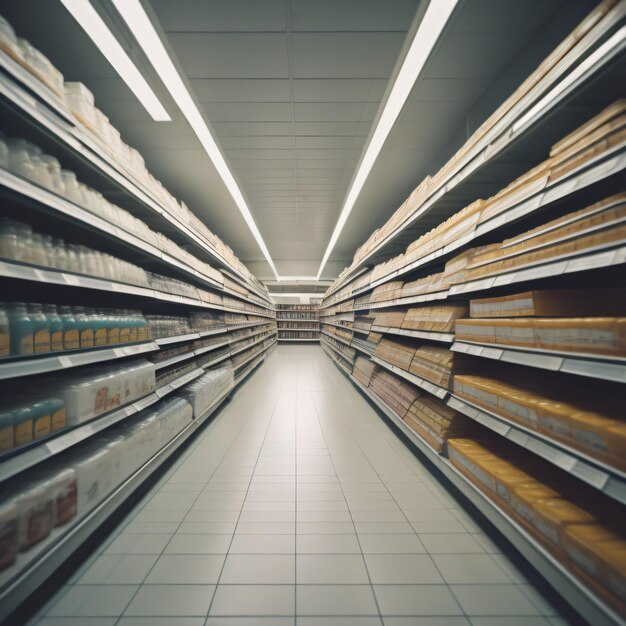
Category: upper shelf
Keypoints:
(589, 365)
(591, 77)
(594, 171)
(32, 102)
(20, 271)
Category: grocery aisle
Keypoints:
(298, 500)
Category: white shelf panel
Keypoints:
(337, 350)
(298, 340)
(18, 367)
(164, 341)
(339, 339)
(424, 384)
(610, 481)
(164, 390)
(589, 365)
(427, 297)
(418, 334)
(248, 345)
(611, 255)
(210, 348)
(173, 360)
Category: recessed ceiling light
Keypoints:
(94, 26)
(428, 32)
(140, 25)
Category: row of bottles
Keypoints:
(27, 329)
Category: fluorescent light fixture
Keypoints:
(94, 26)
(140, 25)
(428, 32)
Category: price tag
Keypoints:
(65, 361)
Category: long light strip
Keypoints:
(94, 26)
(428, 32)
(139, 23)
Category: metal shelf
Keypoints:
(249, 368)
(219, 359)
(47, 115)
(38, 564)
(337, 325)
(9, 269)
(337, 350)
(595, 171)
(610, 481)
(163, 341)
(249, 345)
(339, 364)
(527, 116)
(210, 348)
(91, 221)
(178, 382)
(158, 365)
(258, 332)
(17, 367)
(427, 297)
(589, 365)
(337, 338)
(361, 331)
(424, 384)
(582, 599)
(297, 340)
(419, 334)
(54, 445)
(300, 329)
(604, 256)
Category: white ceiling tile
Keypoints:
(352, 15)
(330, 112)
(220, 15)
(269, 142)
(338, 89)
(259, 128)
(240, 89)
(332, 128)
(328, 142)
(345, 55)
(231, 55)
(255, 111)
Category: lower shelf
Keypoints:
(62, 543)
(592, 608)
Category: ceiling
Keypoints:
(291, 89)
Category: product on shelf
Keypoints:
(589, 419)
(203, 391)
(549, 503)
(388, 318)
(169, 374)
(552, 303)
(25, 419)
(436, 422)
(436, 364)
(38, 329)
(597, 225)
(366, 343)
(364, 323)
(435, 318)
(19, 243)
(396, 352)
(103, 388)
(363, 370)
(396, 393)
(594, 335)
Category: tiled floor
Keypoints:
(299, 505)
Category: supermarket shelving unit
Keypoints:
(569, 96)
(32, 111)
(298, 323)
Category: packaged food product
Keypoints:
(9, 543)
(36, 520)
